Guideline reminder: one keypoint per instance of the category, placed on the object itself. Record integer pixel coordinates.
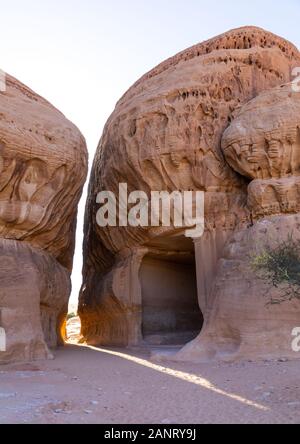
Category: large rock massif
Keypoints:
(221, 117)
(43, 166)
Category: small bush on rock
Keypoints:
(280, 267)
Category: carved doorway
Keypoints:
(170, 309)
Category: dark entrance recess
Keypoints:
(171, 314)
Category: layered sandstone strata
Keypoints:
(43, 165)
(165, 134)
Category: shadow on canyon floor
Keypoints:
(100, 385)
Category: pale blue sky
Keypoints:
(83, 55)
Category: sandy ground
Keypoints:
(97, 385)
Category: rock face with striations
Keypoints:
(43, 166)
(214, 118)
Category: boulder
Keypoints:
(174, 130)
(43, 166)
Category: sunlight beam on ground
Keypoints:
(188, 377)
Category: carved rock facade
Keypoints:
(213, 118)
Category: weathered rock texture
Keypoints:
(43, 165)
(239, 322)
(166, 134)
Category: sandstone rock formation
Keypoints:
(213, 118)
(43, 165)
(239, 322)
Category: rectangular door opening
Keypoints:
(170, 309)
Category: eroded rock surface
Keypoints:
(240, 321)
(43, 165)
(165, 134)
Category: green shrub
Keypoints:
(71, 315)
(280, 268)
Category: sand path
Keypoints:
(96, 385)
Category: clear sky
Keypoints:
(82, 55)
